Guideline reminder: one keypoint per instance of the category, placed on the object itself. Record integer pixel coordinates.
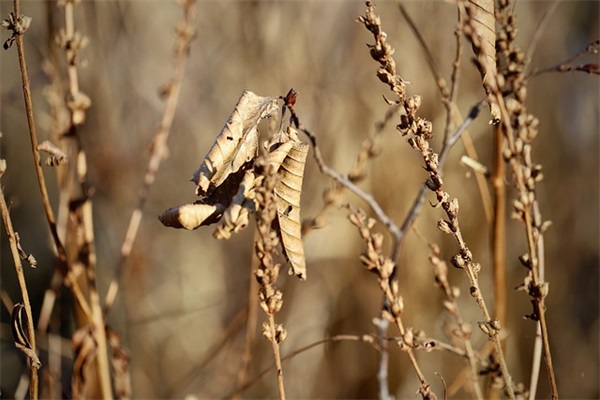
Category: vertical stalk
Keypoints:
(498, 240)
(33, 386)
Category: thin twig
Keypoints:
(251, 322)
(33, 364)
(519, 129)
(234, 326)
(78, 102)
(564, 66)
(464, 329)
(342, 180)
(159, 148)
(449, 100)
(18, 32)
(338, 338)
(498, 244)
(539, 30)
(449, 142)
(439, 80)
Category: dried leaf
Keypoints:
(236, 217)
(19, 325)
(23, 254)
(21, 334)
(56, 155)
(484, 24)
(289, 153)
(236, 145)
(191, 216)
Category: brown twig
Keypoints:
(463, 330)
(234, 326)
(564, 66)
(539, 30)
(498, 244)
(81, 234)
(520, 129)
(421, 131)
(370, 148)
(159, 148)
(375, 262)
(267, 273)
(449, 100)
(34, 363)
(251, 322)
(18, 24)
(439, 80)
(338, 338)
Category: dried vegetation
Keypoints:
(119, 307)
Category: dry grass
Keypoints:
(120, 306)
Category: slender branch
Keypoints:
(449, 142)
(12, 239)
(538, 288)
(439, 80)
(519, 130)
(251, 321)
(464, 329)
(277, 355)
(159, 148)
(499, 230)
(19, 28)
(78, 102)
(234, 326)
(338, 338)
(342, 180)
(564, 66)
(539, 30)
(449, 100)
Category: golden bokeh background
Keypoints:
(182, 290)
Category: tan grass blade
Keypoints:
(236, 144)
(484, 24)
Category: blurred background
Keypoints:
(183, 293)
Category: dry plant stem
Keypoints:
(338, 338)
(498, 242)
(267, 273)
(397, 232)
(440, 81)
(449, 100)
(34, 148)
(421, 131)
(539, 29)
(185, 34)
(449, 142)
(79, 102)
(33, 388)
(236, 324)
(520, 129)
(278, 362)
(451, 305)
(370, 149)
(564, 66)
(251, 322)
(499, 231)
(536, 249)
(383, 267)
